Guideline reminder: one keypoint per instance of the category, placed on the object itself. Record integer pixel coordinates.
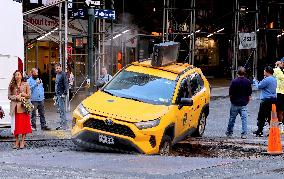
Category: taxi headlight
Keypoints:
(147, 124)
(82, 110)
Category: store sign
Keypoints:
(43, 22)
(47, 24)
(105, 14)
(79, 13)
(49, 2)
(247, 40)
(92, 3)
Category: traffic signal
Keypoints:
(119, 61)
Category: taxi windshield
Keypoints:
(141, 87)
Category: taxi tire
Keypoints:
(165, 146)
(201, 125)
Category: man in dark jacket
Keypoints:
(61, 91)
(240, 93)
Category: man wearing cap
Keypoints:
(279, 75)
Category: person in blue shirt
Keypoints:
(37, 99)
(268, 97)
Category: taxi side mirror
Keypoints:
(185, 102)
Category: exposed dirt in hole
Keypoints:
(216, 150)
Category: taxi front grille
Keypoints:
(112, 128)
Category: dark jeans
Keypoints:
(70, 94)
(264, 113)
(39, 105)
(62, 111)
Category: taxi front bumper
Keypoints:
(91, 140)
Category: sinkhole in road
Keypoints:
(189, 148)
(214, 149)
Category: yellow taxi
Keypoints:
(144, 109)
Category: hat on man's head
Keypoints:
(282, 59)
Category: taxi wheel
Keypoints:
(165, 146)
(201, 125)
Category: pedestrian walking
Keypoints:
(70, 78)
(267, 96)
(37, 99)
(61, 88)
(279, 75)
(18, 92)
(103, 78)
(240, 92)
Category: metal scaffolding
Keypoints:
(168, 19)
(236, 41)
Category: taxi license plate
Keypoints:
(106, 139)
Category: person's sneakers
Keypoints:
(243, 136)
(229, 134)
(61, 128)
(258, 133)
(45, 128)
(34, 128)
(281, 127)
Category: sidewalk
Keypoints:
(219, 92)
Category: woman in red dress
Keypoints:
(20, 119)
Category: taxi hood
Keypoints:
(104, 104)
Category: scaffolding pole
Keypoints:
(190, 40)
(256, 50)
(167, 20)
(193, 32)
(67, 102)
(60, 33)
(236, 39)
(164, 18)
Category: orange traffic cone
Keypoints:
(274, 141)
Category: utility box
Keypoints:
(165, 53)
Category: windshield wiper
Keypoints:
(134, 99)
(107, 92)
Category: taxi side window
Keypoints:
(196, 83)
(184, 90)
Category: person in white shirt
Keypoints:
(70, 78)
(103, 78)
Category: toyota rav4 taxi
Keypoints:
(145, 109)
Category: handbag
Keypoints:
(29, 107)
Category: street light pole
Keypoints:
(60, 33)
(90, 80)
(111, 43)
(67, 102)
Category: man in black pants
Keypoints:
(268, 97)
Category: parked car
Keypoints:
(145, 109)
